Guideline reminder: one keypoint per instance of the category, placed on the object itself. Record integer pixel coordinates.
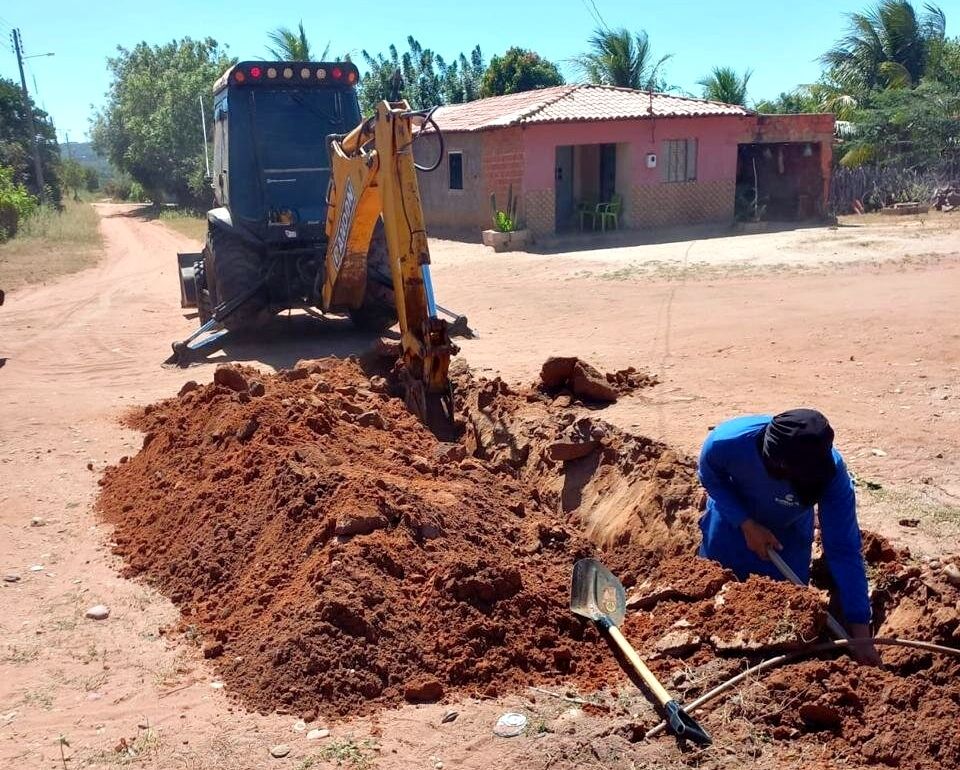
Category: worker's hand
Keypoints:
(865, 654)
(759, 538)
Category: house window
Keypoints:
(456, 170)
(680, 160)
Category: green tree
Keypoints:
(816, 97)
(16, 147)
(293, 46)
(149, 127)
(944, 65)
(461, 80)
(427, 78)
(617, 57)
(890, 44)
(725, 85)
(914, 127)
(74, 177)
(519, 70)
(91, 179)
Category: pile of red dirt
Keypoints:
(870, 716)
(635, 498)
(337, 558)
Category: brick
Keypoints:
(681, 203)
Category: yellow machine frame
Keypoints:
(373, 174)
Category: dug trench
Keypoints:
(335, 558)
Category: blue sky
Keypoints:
(779, 41)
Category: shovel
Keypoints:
(832, 623)
(595, 593)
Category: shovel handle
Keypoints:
(662, 696)
(832, 623)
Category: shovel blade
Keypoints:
(685, 726)
(596, 593)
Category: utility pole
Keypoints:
(37, 166)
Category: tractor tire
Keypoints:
(379, 309)
(232, 267)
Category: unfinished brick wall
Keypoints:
(502, 166)
(681, 203)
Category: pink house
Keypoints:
(665, 159)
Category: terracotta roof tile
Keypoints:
(563, 104)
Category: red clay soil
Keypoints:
(335, 555)
(870, 716)
(337, 558)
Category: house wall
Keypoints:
(446, 209)
(502, 168)
(492, 163)
(648, 200)
(525, 158)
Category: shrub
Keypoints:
(118, 188)
(137, 193)
(16, 204)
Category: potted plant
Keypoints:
(506, 235)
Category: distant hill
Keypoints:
(83, 153)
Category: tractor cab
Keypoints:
(271, 165)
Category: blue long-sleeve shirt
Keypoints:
(739, 487)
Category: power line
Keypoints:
(592, 9)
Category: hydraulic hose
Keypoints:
(781, 660)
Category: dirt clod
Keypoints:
(426, 690)
(588, 383)
(230, 377)
(188, 387)
(565, 377)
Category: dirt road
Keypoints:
(875, 346)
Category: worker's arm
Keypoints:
(718, 483)
(842, 546)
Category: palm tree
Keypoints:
(813, 97)
(725, 85)
(619, 58)
(887, 46)
(292, 46)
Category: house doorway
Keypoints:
(608, 171)
(563, 187)
(779, 181)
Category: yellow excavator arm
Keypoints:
(373, 175)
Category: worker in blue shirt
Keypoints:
(763, 475)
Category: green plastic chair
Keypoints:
(610, 212)
(587, 209)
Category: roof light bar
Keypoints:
(294, 73)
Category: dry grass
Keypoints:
(358, 755)
(51, 244)
(188, 223)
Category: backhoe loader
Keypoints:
(373, 180)
(313, 219)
